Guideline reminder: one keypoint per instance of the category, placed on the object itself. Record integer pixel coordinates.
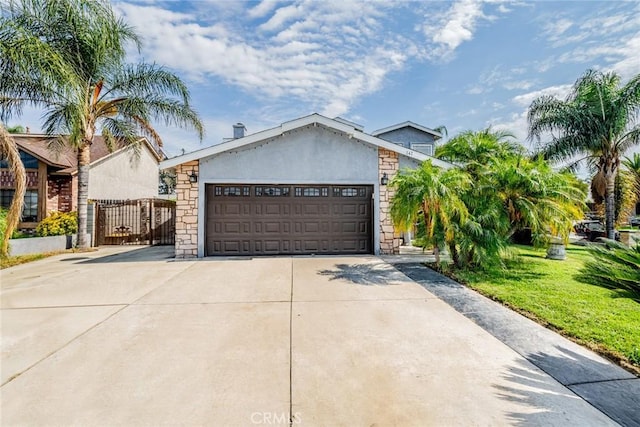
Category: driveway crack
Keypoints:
(291, 349)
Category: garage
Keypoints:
(312, 185)
(262, 219)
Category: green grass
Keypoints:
(546, 290)
(12, 261)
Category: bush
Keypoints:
(3, 222)
(58, 224)
(614, 266)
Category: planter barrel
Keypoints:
(556, 250)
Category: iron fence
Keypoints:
(135, 222)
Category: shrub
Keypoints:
(614, 266)
(3, 222)
(58, 224)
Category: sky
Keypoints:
(463, 64)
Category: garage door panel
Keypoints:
(232, 209)
(300, 220)
(272, 227)
(272, 209)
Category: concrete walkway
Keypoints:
(134, 338)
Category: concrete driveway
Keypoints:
(126, 336)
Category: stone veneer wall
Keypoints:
(186, 211)
(389, 237)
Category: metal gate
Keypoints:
(135, 222)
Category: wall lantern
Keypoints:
(193, 177)
(385, 179)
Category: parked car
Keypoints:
(634, 221)
(592, 229)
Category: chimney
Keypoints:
(238, 131)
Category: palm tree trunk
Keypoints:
(10, 151)
(455, 257)
(610, 205)
(84, 158)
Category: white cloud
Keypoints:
(446, 31)
(521, 84)
(560, 91)
(557, 28)
(263, 8)
(516, 123)
(326, 54)
(282, 16)
(497, 76)
(449, 30)
(620, 55)
(476, 90)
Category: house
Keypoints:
(114, 173)
(313, 185)
(411, 135)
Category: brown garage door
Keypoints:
(288, 219)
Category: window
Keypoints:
(30, 209)
(272, 191)
(349, 192)
(28, 161)
(312, 191)
(423, 148)
(231, 191)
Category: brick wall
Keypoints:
(59, 195)
(389, 237)
(186, 211)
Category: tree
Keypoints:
(482, 238)
(15, 129)
(9, 151)
(535, 197)
(476, 208)
(597, 123)
(431, 192)
(477, 149)
(632, 164)
(68, 58)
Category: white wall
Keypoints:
(311, 154)
(125, 175)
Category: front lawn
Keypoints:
(547, 291)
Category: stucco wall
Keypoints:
(125, 175)
(407, 163)
(311, 154)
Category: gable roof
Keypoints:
(437, 135)
(314, 119)
(64, 157)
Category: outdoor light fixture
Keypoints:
(193, 177)
(385, 179)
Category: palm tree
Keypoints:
(431, 192)
(9, 151)
(476, 149)
(536, 197)
(632, 164)
(597, 122)
(67, 57)
(481, 238)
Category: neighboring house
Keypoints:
(411, 135)
(118, 173)
(313, 185)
